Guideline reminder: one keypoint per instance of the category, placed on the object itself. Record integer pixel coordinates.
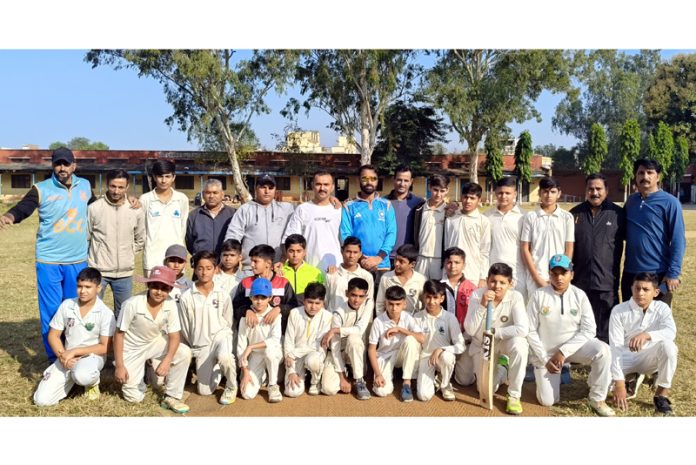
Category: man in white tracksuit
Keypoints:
(562, 329)
(306, 328)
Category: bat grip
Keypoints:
(489, 315)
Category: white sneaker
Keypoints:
(601, 408)
(274, 394)
(448, 393)
(313, 390)
(229, 395)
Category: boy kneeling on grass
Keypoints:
(87, 325)
(144, 321)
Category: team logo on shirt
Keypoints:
(89, 326)
(275, 301)
(47, 374)
(441, 330)
(70, 323)
(176, 214)
(574, 311)
(83, 196)
(381, 215)
(504, 318)
(216, 304)
(545, 310)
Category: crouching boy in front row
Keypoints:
(87, 325)
(395, 341)
(307, 325)
(641, 335)
(140, 337)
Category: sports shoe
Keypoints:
(92, 392)
(229, 395)
(175, 405)
(514, 406)
(361, 390)
(501, 372)
(601, 408)
(274, 394)
(633, 382)
(448, 393)
(313, 390)
(406, 394)
(565, 374)
(663, 405)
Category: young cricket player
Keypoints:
(307, 326)
(175, 258)
(259, 346)
(562, 329)
(443, 342)
(205, 312)
(641, 336)
(395, 341)
(337, 279)
(86, 325)
(148, 329)
(229, 273)
(429, 228)
(471, 231)
(346, 338)
(405, 276)
(511, 326)
(296, 269)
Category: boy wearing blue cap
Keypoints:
(259, 347)
(562, 329)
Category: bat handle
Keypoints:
(489, 315)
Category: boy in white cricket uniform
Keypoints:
(429, 228)
(259, 346)
(346, 338)
(87, 325)
(206, 325)
(230, 273)
(641, 336)
(405, 277)
(166, 213)
(511, 326)
(148, 328)
(562, 329)
(337, 279)
(395, 341)
(471, 231)
(443, 342)
(307, 326)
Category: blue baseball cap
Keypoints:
(561, 261)
(261, 286)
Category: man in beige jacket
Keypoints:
(115, 233)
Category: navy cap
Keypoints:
(62, 154)
(265, 179)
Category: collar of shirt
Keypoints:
(515, 209)
(474, 214)
(637, 308)
(541, 212)
(440, 208)
(359, 199)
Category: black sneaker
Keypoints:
(663, 405)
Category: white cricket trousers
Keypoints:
(594, 353)
(58, 381)
(517, 350)
(426, 374)
(660, 356)
(215, 361)
(464, 368)
(353, 353)
(260, 362)
(430, 267)
(406, 358)
(312, 362)
(134, 362)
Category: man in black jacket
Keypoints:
(206, 225)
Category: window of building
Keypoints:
(21, 181)
(222, 179)
(282, 183)
(183, 182)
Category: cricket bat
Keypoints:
(487, 362)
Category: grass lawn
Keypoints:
(22, 357)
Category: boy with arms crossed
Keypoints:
(337, 279)
(395, 341)
(205, 311)
(346, 340)
(405, 277)
(87, 326)
(429, 228)
(443, 341)
(307, 326)
(641, 336)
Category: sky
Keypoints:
(54, 95)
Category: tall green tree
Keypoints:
(680, 162)
(79, 143)
(629, 151)
(612, 86)
(597, 150)
(671, 97)
(523, 161)
(664, 147)
(407, 137)
(212, 92)
(354, 87)
(483, 89)
(493, 146)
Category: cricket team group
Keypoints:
(329, 297)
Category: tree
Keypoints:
(663, 150)
(597, 150)
(548, 150)
(79, 143)
(494, 159)
(483, 89)
(681, 161)
(211, 91)
(354, 87)
(523, 160)
(612, 88)
(629, 150)
(671, 97)
(564, 158)
(407, 136)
